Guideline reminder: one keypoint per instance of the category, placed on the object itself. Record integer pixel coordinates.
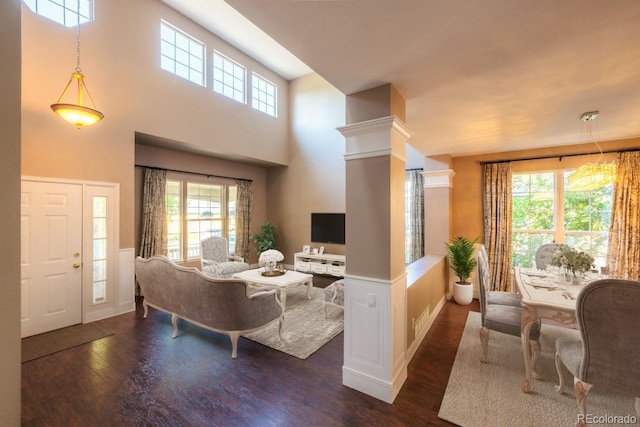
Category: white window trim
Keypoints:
(275, 95)
(184, 237)
(558, 231)
(34, 6)
(203, 83)
(244, 78)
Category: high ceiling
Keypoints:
(477, 76)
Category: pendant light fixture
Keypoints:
(592, 175)
(78, 114)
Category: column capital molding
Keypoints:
(385, 136)
(375, 124)
(437, 179)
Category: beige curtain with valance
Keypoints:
(153, 240)
(497, 224)
(243, 218)
(623, 254)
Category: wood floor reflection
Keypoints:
(142, 377)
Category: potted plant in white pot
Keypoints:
(266, 239)
(462, 262)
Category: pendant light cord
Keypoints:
(78, 70)
(595, 140)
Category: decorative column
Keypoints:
(437, 221)
(375, 280)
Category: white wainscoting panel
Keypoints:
(375, 342)
(126, 280)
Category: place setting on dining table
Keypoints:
(567, 272)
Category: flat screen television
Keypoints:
(328, 228)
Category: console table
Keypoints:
(333, 265)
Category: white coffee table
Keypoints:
(288, 280)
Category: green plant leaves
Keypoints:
(461, 258)
(266, 239)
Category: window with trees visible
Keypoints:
(195, 211)
(181, 54)
(69, 13)
(545, 211)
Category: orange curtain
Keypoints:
(497, 224)
(623, 254)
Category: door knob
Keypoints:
(76, 265)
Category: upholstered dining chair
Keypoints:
(544, 255)
(215, 260)
(506, 319)
(607, 354)
(495, 297)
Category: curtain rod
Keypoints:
(559, 156)
(414, 169)
(208, 175)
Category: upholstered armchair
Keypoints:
(607, 354)
(333, 296)
(215, 260)
(544, 255)
(501, 318)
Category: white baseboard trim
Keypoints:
(381, 390)
(99, 315)
(108, 312)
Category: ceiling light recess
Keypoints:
(592, 115)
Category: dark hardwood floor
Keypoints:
(141, 377)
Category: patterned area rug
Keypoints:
(305, 328)
(489, 394)
(48, 343)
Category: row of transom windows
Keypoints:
(180, 54)
(184, 56)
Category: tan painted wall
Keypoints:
(314, 180)
(466, 207)
(436, 220)
(396, 225)
(10, 213)
(369, 214)
(381, 101)
(120, 60)
(426, 292)
(168, 159)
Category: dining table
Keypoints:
(544, 295)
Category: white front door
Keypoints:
(51, 256)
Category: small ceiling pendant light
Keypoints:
(78, 114)
(593, 175)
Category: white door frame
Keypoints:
(109, 307)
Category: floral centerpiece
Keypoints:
(572, 259)
(270, 258)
